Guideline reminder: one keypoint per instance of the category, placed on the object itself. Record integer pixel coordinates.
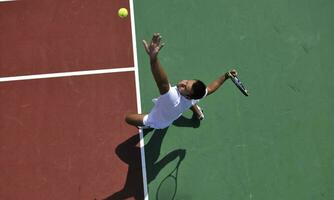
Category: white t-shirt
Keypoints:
(168, 107)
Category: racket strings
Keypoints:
(168, 187)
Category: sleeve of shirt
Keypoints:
(193, 101)
(169, 97)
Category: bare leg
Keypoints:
(135, 119)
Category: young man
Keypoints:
(173, 101)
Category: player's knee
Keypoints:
(131, 119)
(128, 118)
(134, 119)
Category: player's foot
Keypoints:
(143, 127)
(200, 113)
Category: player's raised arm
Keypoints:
(152, 49)
(220, 80)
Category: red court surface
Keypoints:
(46, 36)
(66, 138)
(58, 136)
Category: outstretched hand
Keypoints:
(154, 47)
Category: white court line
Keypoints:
(6, 0)
(66, 74)
(135, 61)
(104, 71)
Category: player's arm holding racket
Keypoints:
(152, 49)
(212, 87)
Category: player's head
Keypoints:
(192, 89)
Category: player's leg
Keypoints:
(135, 119)
(197, 111)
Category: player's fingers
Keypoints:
(145, 45)
(234, 72)
(156, 37)
(161, 46)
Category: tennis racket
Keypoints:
(168, 186)
(238, 83)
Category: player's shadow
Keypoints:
(183, 121)
(130, 153)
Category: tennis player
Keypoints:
(173, 100)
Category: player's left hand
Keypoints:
(154, 47)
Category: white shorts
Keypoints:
(150, 122)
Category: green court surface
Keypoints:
(278, 142)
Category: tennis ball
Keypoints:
(123, 12)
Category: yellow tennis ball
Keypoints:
(123, 12)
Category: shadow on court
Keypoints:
(187, 122)
(129, 152)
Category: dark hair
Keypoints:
(198, 90)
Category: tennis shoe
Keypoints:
(143, 127)
(200, 115)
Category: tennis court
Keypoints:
(71, 70)
(68, 77)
